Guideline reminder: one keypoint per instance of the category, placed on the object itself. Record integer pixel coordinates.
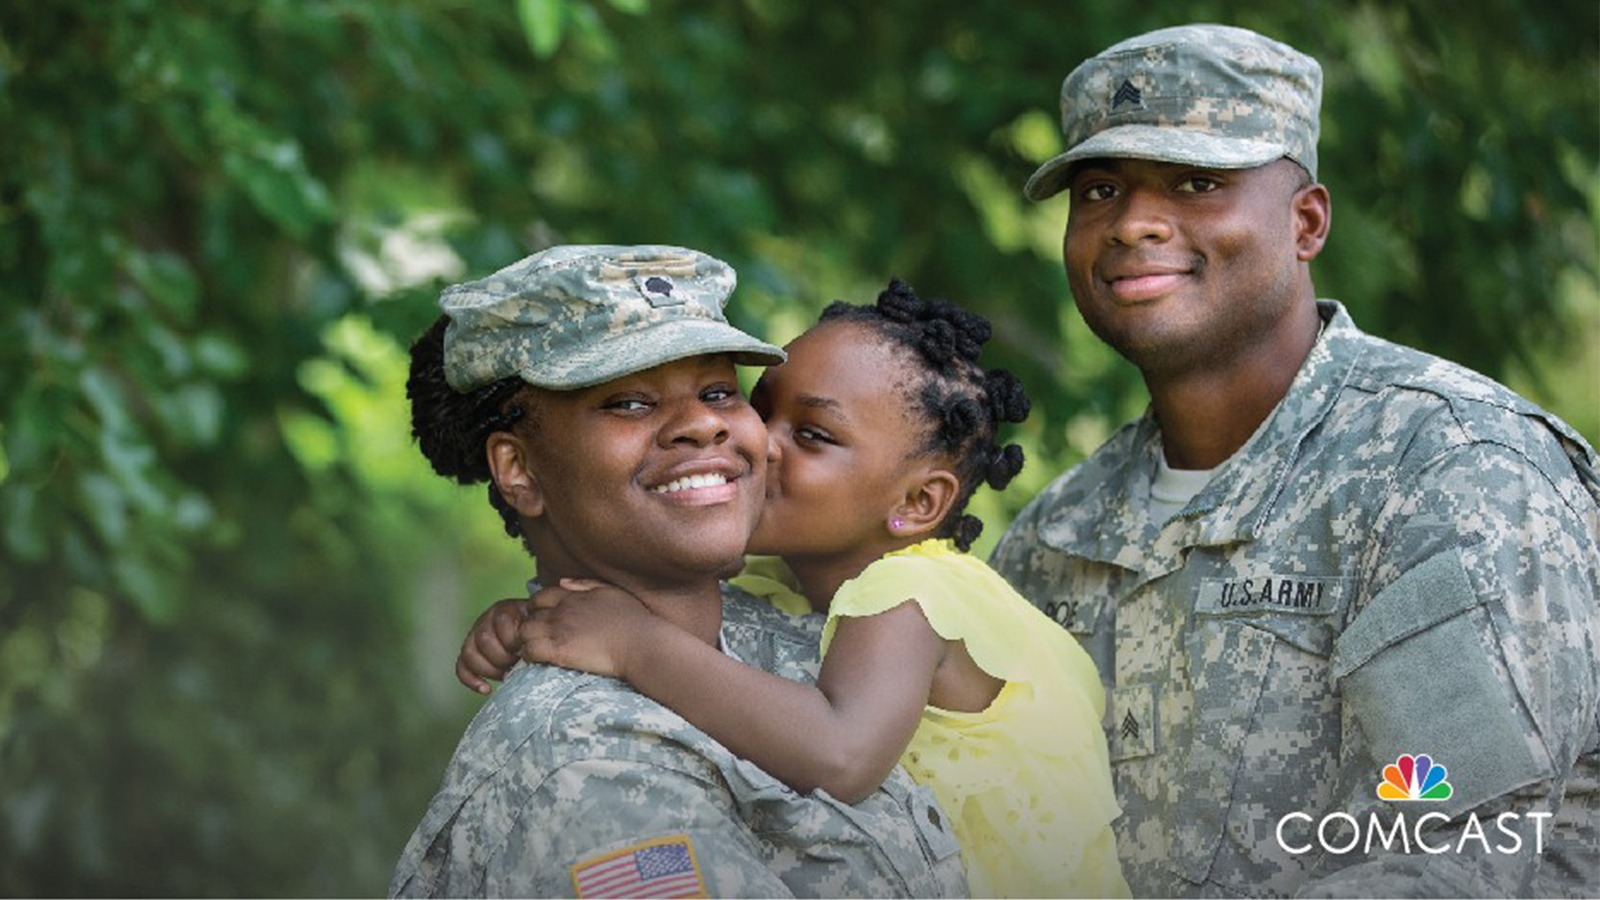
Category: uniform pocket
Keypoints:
(913, 835)
(1419, 674)
(933, 825)
(899, 828)
(1229, 662)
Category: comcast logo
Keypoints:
(1410, 779)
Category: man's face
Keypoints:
(658, 474)
(1180, 268)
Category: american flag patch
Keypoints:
(663, 867)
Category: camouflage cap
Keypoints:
(575, 316)
(1204, 95)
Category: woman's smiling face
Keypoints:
(840, 431)
(659, 474)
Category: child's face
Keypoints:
(840, 429)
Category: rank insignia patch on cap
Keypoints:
(659, 867)
(1127, 94)
(658, 290)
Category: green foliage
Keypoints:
(230, 593)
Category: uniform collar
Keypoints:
(1110, 522)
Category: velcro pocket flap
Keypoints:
(1431, 592)
(1417, 678)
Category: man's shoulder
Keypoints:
(1386, 366)
(1418, 390)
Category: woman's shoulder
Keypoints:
(763, 635)
(544, 717)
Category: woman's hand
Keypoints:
(492, 645)
(587, 625)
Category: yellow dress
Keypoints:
(767, 578)
(1027, 781)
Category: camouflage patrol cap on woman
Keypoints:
(575, 316)
(1204, 95)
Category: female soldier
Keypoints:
(594, 388)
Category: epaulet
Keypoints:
(1484, 411)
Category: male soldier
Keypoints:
(1317, 551)
(581, 381)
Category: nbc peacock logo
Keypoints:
(1414, 778)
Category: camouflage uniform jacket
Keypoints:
(1402, 559)
(561, 768)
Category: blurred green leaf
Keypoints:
(24, 533)
(271, 170)
(220, 356)
(311, 439)
(167, 278)
(153, 590)
(542, 22)
(192, 414)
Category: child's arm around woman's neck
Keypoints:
(842, 735)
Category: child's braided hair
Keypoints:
(964, 404)
(451, 427)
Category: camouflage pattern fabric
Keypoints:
(1402, 559)
(575, 316)
(1202, 95)
(560, 767)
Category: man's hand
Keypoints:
(586, 625)
(492, 645)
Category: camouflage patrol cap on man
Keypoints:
(1204, 95)
(575, 316)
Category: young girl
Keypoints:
(881, 424)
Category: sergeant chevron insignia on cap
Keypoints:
(1127, 93)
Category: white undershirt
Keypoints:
(1172, 489)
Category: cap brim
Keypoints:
(637, 350)
(1156, 143)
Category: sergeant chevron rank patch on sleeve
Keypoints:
(1133, 723)
(659, 867)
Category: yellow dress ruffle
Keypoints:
(1027, 781)
(767, 578)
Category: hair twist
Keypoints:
(1004, 464)
(451, 427)
(1008, 401)
(966, 531)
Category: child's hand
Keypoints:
(492, 645)
(586, 625)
